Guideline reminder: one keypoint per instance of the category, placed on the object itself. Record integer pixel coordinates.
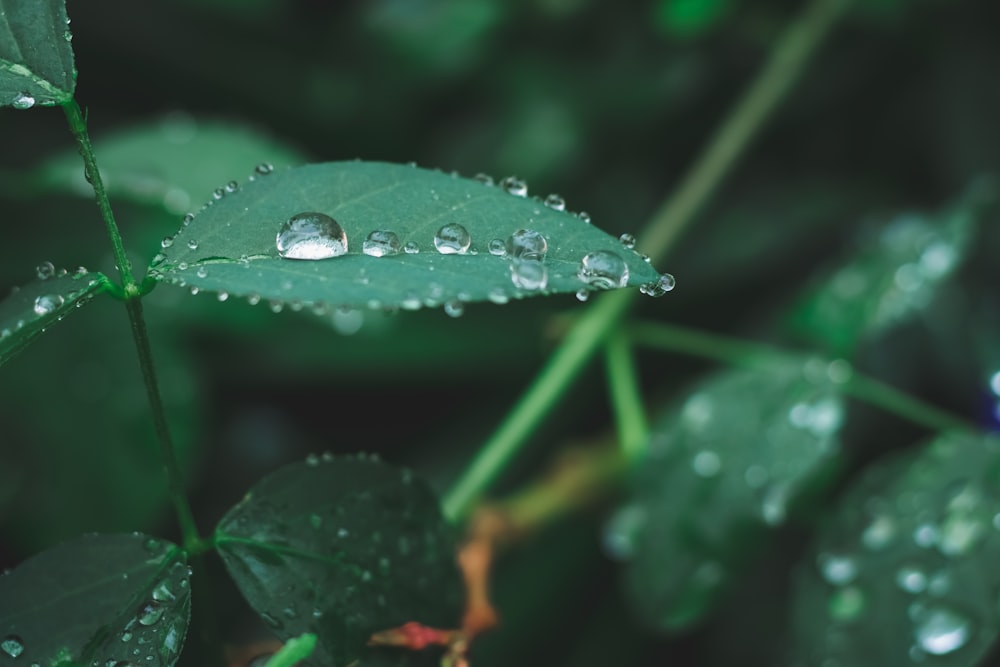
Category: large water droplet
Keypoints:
(45, 270)
(940, 630)
(47, 304)
(452, 239)
(515, 186)
(311, 235)
(603, 270)
(150, 613)
(529, 274)
(526, 244)
(382, 243)
(12, 645)
(23, 100)
(497, 247)
(664, 284)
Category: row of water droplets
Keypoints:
(49, 303)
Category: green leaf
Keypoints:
(907, 569)
(342, 548)
(691, 18)
(230, 246)
(29, 310)
(173, 162)
(895, 272)
(36, 57)
(99, 599)
(722, 469)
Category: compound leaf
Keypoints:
(36, 57)
(342, 548)
(906, 570)
(722, 469)
(99, 599)
(231, 245)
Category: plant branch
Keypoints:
(626, 396)
(786, 63)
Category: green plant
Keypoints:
(352, 561)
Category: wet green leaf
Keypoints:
(722, 469)
(231, 245)
(174, 162)
(342, 548)
(100, 599)
(36, 57)
(30, 309)
(907, 569)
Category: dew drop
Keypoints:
(879, 533)
(526, 244)
(940, 630)
(23, 100)
(202, 272)
(253, 299)
(150, 613)
(454, 308)
(622, 531)
(485, 179)
(660, 287)
(497, 247)
(126, 636)
(911, 579)
(223, 295)
(187, 219)
(603, 270)
(192, 244)
(48, 303)
(312, 460)
(12, 645)
(411, 248)
(263, 169)
(529, 274)
(162, 593)
(555, 202)
(231, 187)
(498, 295)
(627, 240)
(837, 569)
(583, 215)
(167, 242)
(381, 243)
(515, 186)
(582, 294)
(45, 270)
(311, 235)
(452, 239)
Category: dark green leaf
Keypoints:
(342, 548)
(907, 570)
(175, 162)
(29, 310)
(722, 468)
(36, 57)
(100, 599)
(690, 18)
(230, 246)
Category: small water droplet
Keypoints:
(664, 284)
(167, 242)
(925, 535)
(706, 463)
(231, 187)
(879, 533)
(497, 247)
(381, 243)
(187, 219)
(312, 460)
(627, 240)
(194, 290)
(45, 270)
(48, 303)
(311, 235)
(454, 308)
(837, 569)
(222, 295)
(911, 579)
(342, 532)
(289, 613)
(253, 299)
(23, 100)
(12, 645)
(582, 294)
(515, 186)
(218, 193)
(529, 274)
(497, 295)
(126, 636)
(939, 630)
(150, 613)
(202, 272)
(583, 215)
(485, 179)
(192, 244)
(526, 244)
(622, 530)
(263, 169)
(411, 248)
(452, 239)
(603, 269)
(152, 545)
(555, 202)
(162, 593)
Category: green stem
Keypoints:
(626, 396)
(753, 355)
(786, 63)
(133, 305)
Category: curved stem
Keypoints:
(626, 396)
(786, 63)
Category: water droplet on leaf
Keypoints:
(555, 202)
(381, 243)
(529, 274)
(497, 247)
(311, 235)
(665, 284)
(23, 101)
(45, 270)
(192, 244)
(603, 270)
(12, 645)
(940, 630)
(911, 579)
(47, 304)
(150, 613)
(837, 569)
(263, 169)
(485, 179)
(411, 248)
(526, 244)
(454, 308)
(452, 239)
(515, 186)
(706, 463)
(627, 240)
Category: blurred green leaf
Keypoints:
(29, 310)
(343, 548)
(174, 162)
(907, 569)
(100, 599)
(722, 469)
(230, 246)
(691, 18)
(36, 57)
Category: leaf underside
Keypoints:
(906, 571)
(99, 599)
(722, 468)
(36, 57)
(342, 548)
(31, 309)
(236, 253)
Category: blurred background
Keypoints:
(603, 103)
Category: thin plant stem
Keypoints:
(626, 396)
(785, 65)
(133, 305)
(748, 354)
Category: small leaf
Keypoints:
(722, 468)
(29, 310)
(99, 599)
(231, 245)
(36, 57)
(173, 162)
(342, 548)
(907, 569)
